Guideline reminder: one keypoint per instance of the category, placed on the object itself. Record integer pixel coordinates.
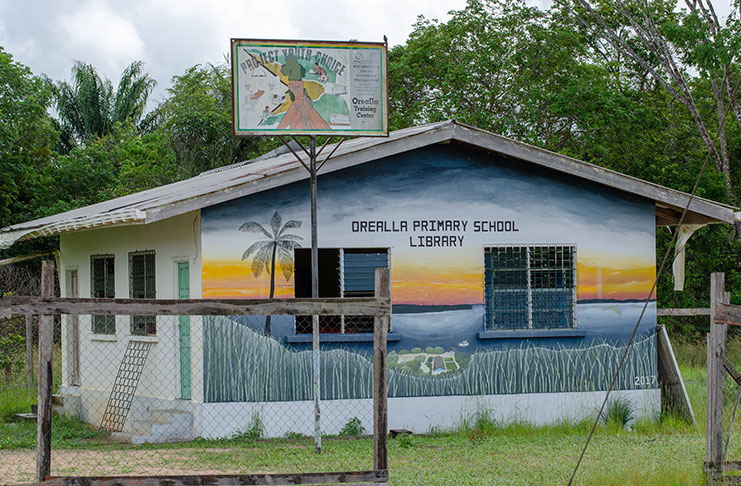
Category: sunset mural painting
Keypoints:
(447, 220)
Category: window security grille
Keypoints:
(102, 286)
(142, 286)
(530, 287)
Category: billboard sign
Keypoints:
(309, 88)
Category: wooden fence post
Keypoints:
(380, 386)
(46, 346)
(716, 377)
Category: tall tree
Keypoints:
(197, 116)
(279, 246)
(89, 107)
(513, 69)
(681, 50)
(109, 166)
(26, 136)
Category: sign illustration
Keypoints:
(309, 88)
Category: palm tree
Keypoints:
(88, 106)
(279, 245)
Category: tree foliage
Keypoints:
(197, 117)
(89, 107)
(113, 165)
(520, 72)
(27, 136)
(671, 45)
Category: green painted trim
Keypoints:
(184, 331)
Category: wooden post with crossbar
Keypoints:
(380, 385)
(722, 314)
(716, 352)
(46, 347)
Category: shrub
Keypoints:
(405, 441)
(12, 357)
(255, 430)
(619, 411)
(353, 428)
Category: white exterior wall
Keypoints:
(421, 415)
(174, 240)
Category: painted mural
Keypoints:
(434, 211)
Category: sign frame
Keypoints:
(277, 50)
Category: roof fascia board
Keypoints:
(591, 172)
(108, 220)
(297, 173)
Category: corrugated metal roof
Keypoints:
(244, 178)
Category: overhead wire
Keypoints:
(660, 272)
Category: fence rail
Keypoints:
(359, 478)
(371, 306)
(683, 312)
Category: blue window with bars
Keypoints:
(530, 287)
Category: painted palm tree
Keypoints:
(278, 247)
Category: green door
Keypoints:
(184, 293)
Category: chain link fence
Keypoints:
(163, 395)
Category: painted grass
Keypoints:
(262, 369)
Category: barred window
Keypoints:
(102, 286)
(142, 286)
(343, 272)
(530, 287)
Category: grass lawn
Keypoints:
(666, 452)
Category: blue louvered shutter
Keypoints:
(359, 269)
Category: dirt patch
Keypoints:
(19, 466)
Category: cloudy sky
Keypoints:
(172, 35)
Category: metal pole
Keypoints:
(315, 294)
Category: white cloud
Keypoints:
(97, 31)
(172, 35)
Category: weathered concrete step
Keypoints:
(124, 437)
(167, 415)
(139, 427)
(65, 404)
(164, 425)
